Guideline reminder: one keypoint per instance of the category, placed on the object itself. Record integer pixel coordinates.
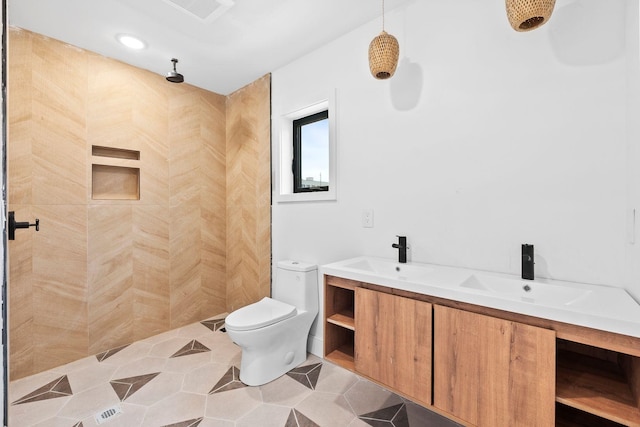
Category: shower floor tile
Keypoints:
(189, 377)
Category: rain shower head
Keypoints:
(174, 76)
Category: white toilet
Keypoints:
(273, 332)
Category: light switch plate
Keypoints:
(367, 218)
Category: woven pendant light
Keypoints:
(527, 15)
(383, 53)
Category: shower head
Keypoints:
(174, 76)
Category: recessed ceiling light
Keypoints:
(131, 42)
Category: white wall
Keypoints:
(483, 140)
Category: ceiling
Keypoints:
(221, 45)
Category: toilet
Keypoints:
(273, 332)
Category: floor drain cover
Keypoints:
(107, 414)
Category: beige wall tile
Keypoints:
(154, 172)
(111, 96)
(20, 312)
(248, 194)
(59, 253)
(184, 148)
(184, 237)
(59, 89)
(59, 258)
(151, 107)
(110, 277)
(58, 339)
(213, 261)
(19, 103)
(213, 205)
(150, 271)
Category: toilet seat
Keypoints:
(263, 313)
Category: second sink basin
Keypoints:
(526, 290)
(388, 268)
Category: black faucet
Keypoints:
(402, 249)
(527, 262)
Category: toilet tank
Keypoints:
(296, 283)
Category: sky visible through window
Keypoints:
(315, 152)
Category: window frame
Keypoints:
(283, 153)
(296, 166)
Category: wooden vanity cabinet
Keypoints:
(393, 342)
(493, 372)
(482, 366)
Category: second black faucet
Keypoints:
(527, 262)
(402, 249)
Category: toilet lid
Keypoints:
(260, 314)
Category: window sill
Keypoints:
(315, 196)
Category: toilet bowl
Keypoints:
(273, 332)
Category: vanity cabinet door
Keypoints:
(393, 342)
(493, 372)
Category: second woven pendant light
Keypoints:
(383, 53)
(527, 15)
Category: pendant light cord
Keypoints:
(382, 15)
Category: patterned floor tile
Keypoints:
(200, 378)
(327, 409)
(229, 381)
(134, 351)
(175, 408)
(334, 379)
(213, 324)
(87, 378)
(178, 392)
(107, 354)
(297, 419)
(393, 416)
(59, 387)
(265, 415)
(38, 413)
(284, 391)
(131, 368)
(192, 348)
(233, 404)
(125, 387)
(421, 416)
(223, 350)
(210, 422)
(132, 416)
(189, 423)
(89, 403)
(163, 386)
(184, 365)
(365, 397)
(306, 375)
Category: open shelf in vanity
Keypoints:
(339, 321)
(598, 381)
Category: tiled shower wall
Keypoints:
(103, 273)
(248, 194)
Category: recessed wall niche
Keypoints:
(114, 175)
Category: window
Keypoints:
(306, 173)
(311, 153)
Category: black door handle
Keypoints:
(13, 224)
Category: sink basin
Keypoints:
(526, 290)
(608, 308)
(389, 268)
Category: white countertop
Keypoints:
(605, 308)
